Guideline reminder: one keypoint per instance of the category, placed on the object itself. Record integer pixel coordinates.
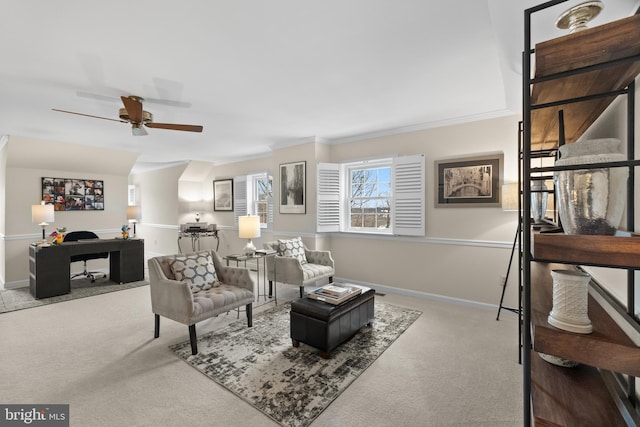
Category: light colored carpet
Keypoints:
(455, 366)
(21, 298)
(291, 385)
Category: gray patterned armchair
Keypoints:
(192, 287)
(294, 264)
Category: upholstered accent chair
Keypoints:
(295, 264)
(192, 287)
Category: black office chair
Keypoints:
(74, 236)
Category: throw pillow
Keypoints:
(196, 270)
(293, 248)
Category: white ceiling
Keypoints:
(258, 74)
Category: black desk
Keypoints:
(50, 269)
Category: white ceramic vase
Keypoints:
(558, 361)
(591, 201)
(570, 301)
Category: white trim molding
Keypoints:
(417, 294)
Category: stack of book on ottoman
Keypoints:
(335, 293)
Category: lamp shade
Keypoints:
(42, 214)
(134, 213)
(510, 197)
(248, 226)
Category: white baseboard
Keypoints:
(25, 283)
(418, 294)
(17, 284)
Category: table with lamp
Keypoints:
(249, 228)
(49, 265)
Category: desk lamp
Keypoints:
(133, 215)
(249, 228)
(42, 215)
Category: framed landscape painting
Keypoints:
(293, 187)
(223, 195)
(469, 182)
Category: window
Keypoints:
(384, 196)
(262, 197)
(370, 197)
(253, 195)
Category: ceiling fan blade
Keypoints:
(134, 107)
(88, 115)
(170, 126)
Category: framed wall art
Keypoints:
(66, 194)
(223, 195)
(293, 182)
(469, 182)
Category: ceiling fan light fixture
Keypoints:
(138, 130)
(134, 114)
(124, 115)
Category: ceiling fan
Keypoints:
(134, 114)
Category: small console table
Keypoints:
(50, 266)
(195, 238)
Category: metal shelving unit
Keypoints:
(610, 374)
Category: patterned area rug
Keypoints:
(290, 385)
(17, 299)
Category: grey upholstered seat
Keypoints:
(285, 269)
(175, 299)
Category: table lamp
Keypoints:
(249, 228)
(42, 215)
(134, 213)
(510, 197)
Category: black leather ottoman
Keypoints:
(326, 326)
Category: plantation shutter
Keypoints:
(328, 198)
(270, 212)
(408, 195)
(270, 204)
(239, 197)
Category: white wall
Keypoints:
(27, 161)
(463, 255)
(158, 195)
(228, 230)
(465, 251)
(3, 188)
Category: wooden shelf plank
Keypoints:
(615, 251)
(570, 396)
(597, 45)
(575, 396)
(606, 347)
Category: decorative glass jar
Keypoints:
(591, 201)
